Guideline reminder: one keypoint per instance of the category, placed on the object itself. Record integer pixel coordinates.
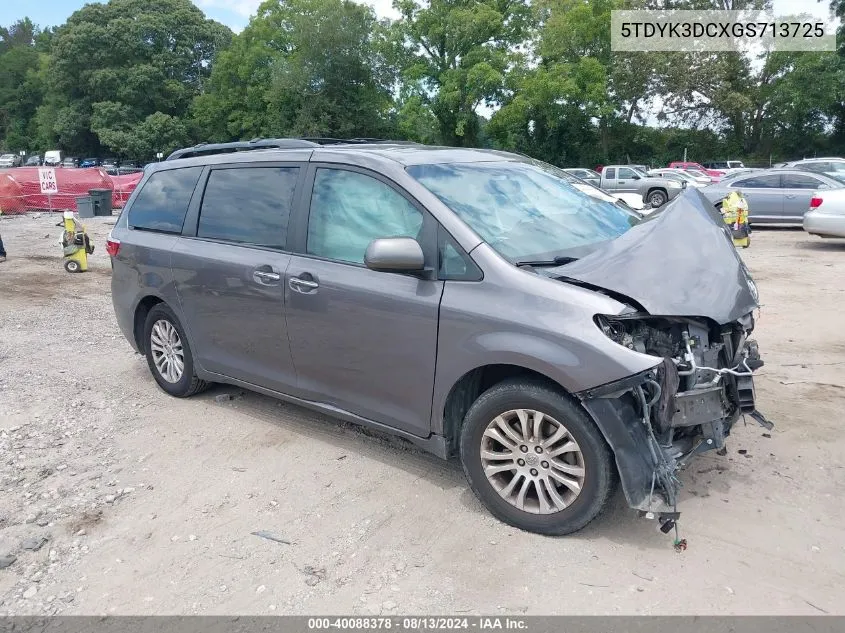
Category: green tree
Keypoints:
(454, 56)
(21, 85)
(115, 64)
(301, 67)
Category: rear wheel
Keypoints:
(535, 459)
(72, 266)
(169, 354)
(657, 198)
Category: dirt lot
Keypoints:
(149, 503)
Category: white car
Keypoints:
(679, 174)
(826, 217)
(696, 175)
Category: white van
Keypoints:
(53, 158)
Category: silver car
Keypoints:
(775, 196)
(475, 303)
(826, 216)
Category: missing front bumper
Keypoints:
(654, 438)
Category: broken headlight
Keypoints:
(641, 334)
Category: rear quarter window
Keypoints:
(162, 203)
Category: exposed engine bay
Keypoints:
(685, 406)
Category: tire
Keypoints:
(159, 327)
(72, 266)
(657, 198)
(594, 456)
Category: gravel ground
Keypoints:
(117, 499)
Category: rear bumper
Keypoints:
(826, 224)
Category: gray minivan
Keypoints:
(473, 302)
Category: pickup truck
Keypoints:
(625, 179)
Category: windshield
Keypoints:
(524, 211)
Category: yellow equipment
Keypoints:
(735, 213)
(75, 244)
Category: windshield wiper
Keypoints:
(557, 261)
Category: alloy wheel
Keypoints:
(532, 461)
(167, 351)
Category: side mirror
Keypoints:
(635, 177)
(394, 254)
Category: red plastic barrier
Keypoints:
(123, 188)
(22, 188)
(11, 195)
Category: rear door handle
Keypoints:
(302, 285)
(791, 196)
(265, 277)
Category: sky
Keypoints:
(235, 13)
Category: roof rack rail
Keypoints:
(356, 141)
(206, 149)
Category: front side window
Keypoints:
(162, 203)
(524, 211)
(349, 210)
(624, 173)
(248, 205)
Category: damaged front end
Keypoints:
(657, 420)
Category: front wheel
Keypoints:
(169, 354)
(535, 459)
(72, 266)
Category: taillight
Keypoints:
(815, 202)
(112, 246)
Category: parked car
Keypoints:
(826, 215)
(833, 167)
(628, 201)
(70, 162)
(10, 160)
(714, 174)
(701, 176)
(34, 161)
(678, 174)
(473, 302)
(724, 165)
(587, 175)
(53, 158)
(654, 191)
(775, 196)
(90, 162)
(698, 176)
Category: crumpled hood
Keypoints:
(678, 262)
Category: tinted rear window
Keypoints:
(758, 182)
(163, 202)
(799, 181)
(248, 205)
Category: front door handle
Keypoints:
(302, 285)
(265, 277)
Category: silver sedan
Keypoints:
(826, 217)
(775, 196)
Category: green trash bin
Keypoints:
(101, 199)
